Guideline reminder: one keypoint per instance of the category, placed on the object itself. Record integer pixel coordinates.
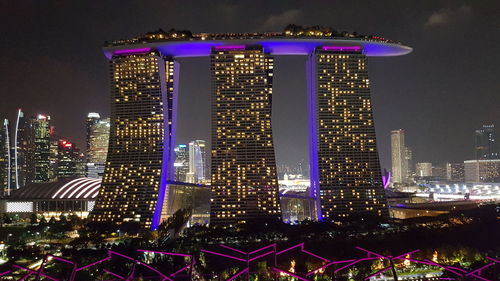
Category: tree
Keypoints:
(33, 219)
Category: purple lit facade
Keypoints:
(140, 158)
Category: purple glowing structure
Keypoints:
(386, 179)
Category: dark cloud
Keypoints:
(449, 16)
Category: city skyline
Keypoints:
(416, 89)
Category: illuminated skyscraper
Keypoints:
(41, 140)
(97, 144)
(244, 178)
(140, 153)
(345, 168)
(197, 158)
(181, 164)
(23, 163)
(486, 147)
(70, 161)
(5, 159)
(399, 156)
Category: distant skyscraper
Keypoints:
(70, 161)
(244, 179)
(423, 169)
(41, 129)
(345, 166)
(409, 163)
(486, 147)
(399, 156)
(486, 170)
(5, 159)
(97, 144)
(197, 158)
(140, 153)
(23, 171)
(455, 172)
(181, 164)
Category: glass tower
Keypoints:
(141, 139)
(97, 145)
(197, 160)
(398, 156)
(244, 179)
(346, 178)
(41, 129)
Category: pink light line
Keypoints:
(35, 272)
(479, 277)
(141, 263)
(377, 273)
(370, 252)
(5, 272)
(26, 276)
(92, 264)
(114, 274)
(405, 254)
(316, 256)
(493, 260)
(353, 263)
(238, 274)
(288, 249)
(444, 267)
(181, 270)
(263, 248)
(165, 253)
(260, 256)
(327, 265)
(289, 274)
(61, 259)
(479, 269)
(223, 255)
(232, 249)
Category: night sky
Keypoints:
(51, 62)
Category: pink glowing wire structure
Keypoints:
(246, 258)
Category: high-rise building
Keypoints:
(345, 169)
(23, 153)
(197, 161)
(399, 156)
(5, 159)
(486, 147)
(486, 170)
(181, 164)
(70, 161)
(41, 140)
(455, 172)
(97, 145)
(140, 153)
(244, 178)
(423, 169)
(409, 163)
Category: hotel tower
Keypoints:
(345, 169)
(244, 178)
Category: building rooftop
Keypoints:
(79, 188)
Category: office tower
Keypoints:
(455, 172)
(181, 164)
(423, 169)
(41, 140)
(345, 166)
(244, 179)
(23, 171)
(197, 158)
(399, 156)
(485, 143)
(409, 163)
(70, 161)
(5, 159)
(53, 156)
(140, 152)
(97, 145)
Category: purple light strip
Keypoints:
(232, 249)
(289, 273)
(238, 274)
(132, 51)
(313, 132)
(165, 253)
(182, 269)
(377, 273)
(288, 249)
(443, 267)
(481, 278)
(223, 255)
(327, 265)
(26, 276)
(230, 47)
(479, 269)
(493, 260)
(260, 256)
(5, 272)
(35, 272)
(370, 252)
(353, 263)
(140, 263)
(342, 48)
(92, 264)
(61, 259)
(263, 248)
(402, 256)
(113, 274)
(316, 256)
